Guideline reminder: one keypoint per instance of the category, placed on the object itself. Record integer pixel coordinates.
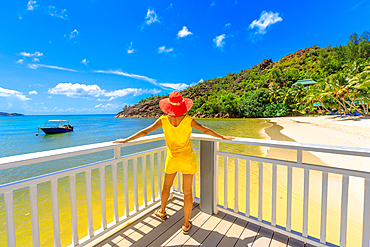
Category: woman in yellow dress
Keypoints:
(177, 128)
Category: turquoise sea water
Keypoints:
(18, 136)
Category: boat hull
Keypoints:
(55, 130)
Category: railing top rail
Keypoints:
(354, 151)
(32, 158)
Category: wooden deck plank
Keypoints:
(220, 230)
(263, 238)
(279, 240)
(309, 245)
(175, 212)
(233, 234)
(218, 233)
(181, 238)
(248, 235)
(295, 243)
(163, 227)
(121, 238)
(129, 237)
(108, 245)
(206, 229)
(165, 236)
(144, 229)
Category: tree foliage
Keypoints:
(342, 74)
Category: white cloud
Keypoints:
(134, 91)
(36, 54)
(32, 92)
(180, 86)
(31, 5)
(170, 7)
(70, 110)
(12, 93)
(151, 17)
(176, 86)
(219, 40)
(110, 106)
(49, 97)
(212, 4)
(227, 26)
(266, 19)
(77, 90)
(20, 61)
(163, 49)
(85, 61)
(183, 32)
(130, 49)
(73, 34)
(32, 66)
(35, 66)
(119, 72)
(356, 6)
(54, 12)
(195, 83)
(35, 59)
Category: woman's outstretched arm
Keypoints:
(204, 129)
(142, 132)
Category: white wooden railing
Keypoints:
(209, 159)
(93, 234)
(325, 170)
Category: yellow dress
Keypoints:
(180, 154)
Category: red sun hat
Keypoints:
(175, 105)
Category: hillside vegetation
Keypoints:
(342, 74)
(5, 114)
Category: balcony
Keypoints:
(238, 198)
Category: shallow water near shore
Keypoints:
(18, 136)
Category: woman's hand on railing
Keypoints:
(120, 141)
(227, 138)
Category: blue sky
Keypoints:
(89, 57)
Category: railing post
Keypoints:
(207, 178)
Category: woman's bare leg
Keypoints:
(187, 188)
(168, 181)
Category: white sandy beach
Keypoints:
(329, 130)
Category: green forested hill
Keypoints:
(342, 74)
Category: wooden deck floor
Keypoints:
(216, 230)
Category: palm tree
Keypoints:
(297, 93)
(283, 95)
(361, 90)
(356, 67)
(336, 87)
(316, 94)
(274, 94)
